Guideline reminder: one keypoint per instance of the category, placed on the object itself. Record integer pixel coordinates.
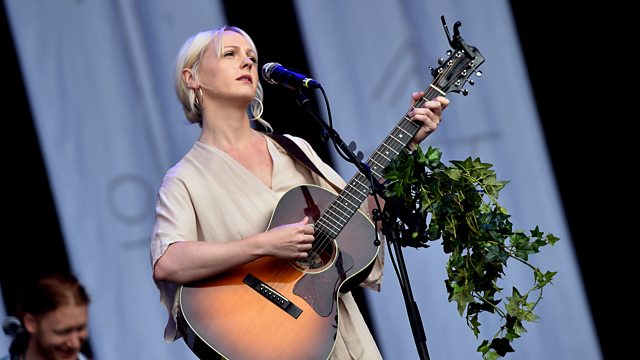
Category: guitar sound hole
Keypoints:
(317, 261)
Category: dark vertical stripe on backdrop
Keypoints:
(563, 59)
(32, 241)
(273, 26)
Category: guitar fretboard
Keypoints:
(356, 191)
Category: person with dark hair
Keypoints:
(51, 322)
(214, 207)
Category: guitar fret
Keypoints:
(380, 158)
(333, 228)
(349, 203)
(438, 90)
(386, 158)
(364, 184)
(327, 224)
(332, 233)
(353, 197)
(374, 173)
(409, 126)
(339, 212)
(399, 142)
(340, 208)
(406, 132)
(364, 194)
(375, 168)
(377, 163)
(390, 148)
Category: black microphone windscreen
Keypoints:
(12, 326)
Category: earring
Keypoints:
(257, 114)
(196, 101)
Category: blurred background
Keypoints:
(92, 124)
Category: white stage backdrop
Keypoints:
(98, 76)
(99, 80)
(370, 55)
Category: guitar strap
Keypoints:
(294, 150)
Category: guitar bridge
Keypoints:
(272, 295)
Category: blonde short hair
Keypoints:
(190, 56)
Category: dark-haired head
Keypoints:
(48, 292)
(53, 310)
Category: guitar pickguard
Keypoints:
(314, 287)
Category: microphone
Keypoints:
(274, 73)
(12, 326)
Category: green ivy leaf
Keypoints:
(502, 346)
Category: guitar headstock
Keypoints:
(463, 60)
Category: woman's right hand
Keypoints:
(290, 241)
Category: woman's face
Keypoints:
(233, 74)
(59, 334)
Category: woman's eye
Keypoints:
(228, 53)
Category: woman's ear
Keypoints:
(189, 79)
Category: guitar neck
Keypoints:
(358, 188)
(450, 76)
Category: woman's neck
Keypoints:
(226, 130)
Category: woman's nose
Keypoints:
(247, 61)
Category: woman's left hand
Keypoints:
(428, 116)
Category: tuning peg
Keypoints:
(440, 61)
(478, 73)
(465, 92)
(471, 82)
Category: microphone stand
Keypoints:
(304, 101)
(413, 312)
(420, 338)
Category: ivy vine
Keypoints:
(426, 201)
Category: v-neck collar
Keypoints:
(271, 148)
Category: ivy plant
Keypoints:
(426, 201)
